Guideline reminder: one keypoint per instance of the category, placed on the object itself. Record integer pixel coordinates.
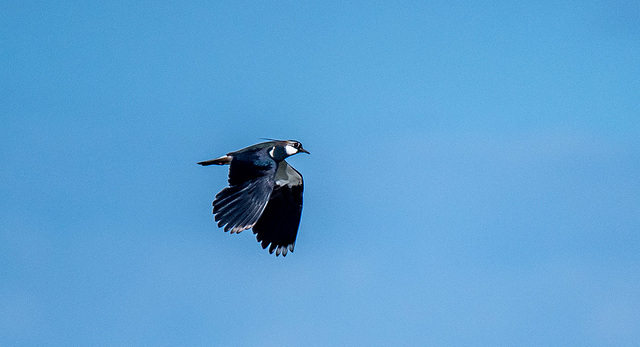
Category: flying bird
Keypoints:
(264, 193)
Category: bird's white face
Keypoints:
(290, 149)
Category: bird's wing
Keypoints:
(239, 206)
(278, 225)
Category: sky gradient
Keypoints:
(474, 176)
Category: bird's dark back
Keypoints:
(250, 165)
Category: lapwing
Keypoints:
(264, 193)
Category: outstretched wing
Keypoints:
(278, 225)
(251, 180)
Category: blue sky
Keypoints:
(474, 177)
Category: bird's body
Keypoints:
(264, 193)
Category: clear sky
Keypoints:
(474, 176)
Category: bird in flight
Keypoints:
(264, 193)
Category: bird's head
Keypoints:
(293, 147)
(286, 149)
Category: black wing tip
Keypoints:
(278, 249)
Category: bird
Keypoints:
(264, 194)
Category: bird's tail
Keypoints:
(224, 160)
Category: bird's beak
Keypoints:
(303, 151)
